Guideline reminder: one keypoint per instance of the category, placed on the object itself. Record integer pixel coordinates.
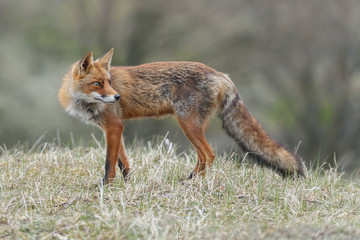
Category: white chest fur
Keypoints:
(89, 112)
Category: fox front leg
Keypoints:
(113, 133)
(123, 162)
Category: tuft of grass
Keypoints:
(53, 193)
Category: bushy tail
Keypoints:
(239, 123)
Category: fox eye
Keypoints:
(97, 84)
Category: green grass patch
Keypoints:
(53, 193)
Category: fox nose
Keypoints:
(117, 97)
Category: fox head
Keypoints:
(92, 80)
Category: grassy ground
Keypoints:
(50, 194)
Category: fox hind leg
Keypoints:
(196, 136)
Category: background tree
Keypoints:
(295, 63)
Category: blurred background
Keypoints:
(296, 65)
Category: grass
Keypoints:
(51, 194)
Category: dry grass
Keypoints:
(50, 194)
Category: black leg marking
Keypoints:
(121, 166)
(122, 169)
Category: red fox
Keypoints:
(105, 95)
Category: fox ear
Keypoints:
(86, 63)
(105, 60)
(84, 66)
